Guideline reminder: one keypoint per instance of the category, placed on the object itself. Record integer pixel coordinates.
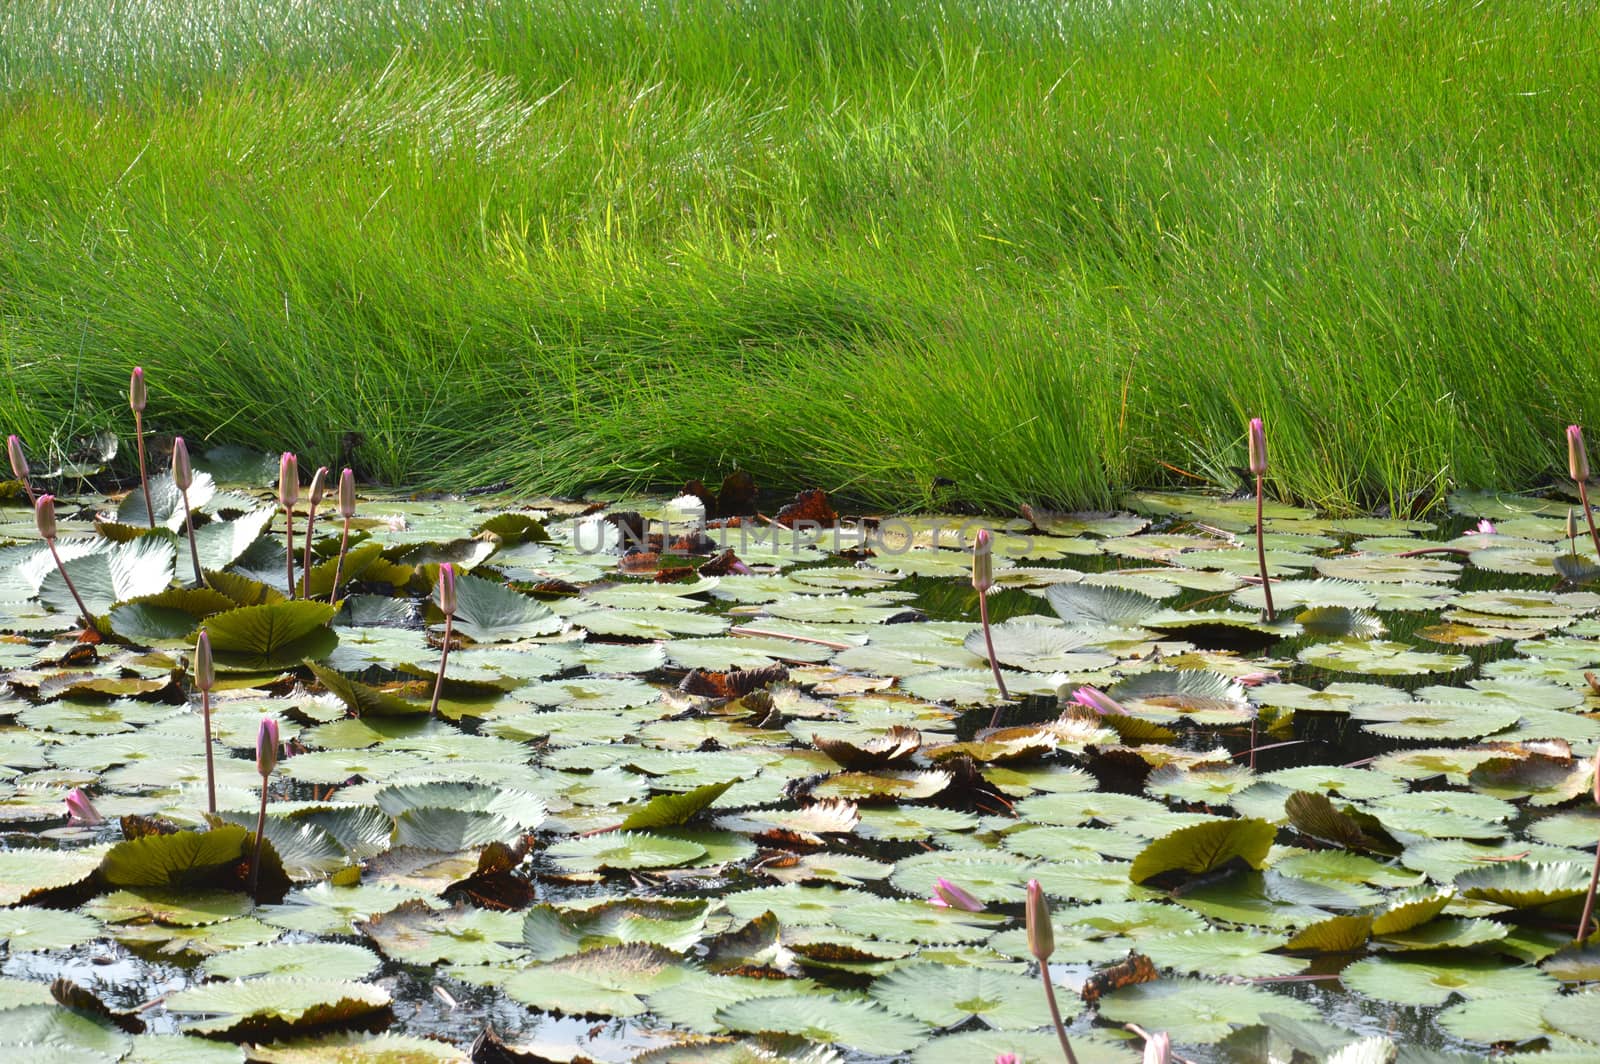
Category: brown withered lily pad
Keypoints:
(895, 745)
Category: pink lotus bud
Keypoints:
(983, 561)
(347, 493)
(946, 895)
(19, 458)
(44, 516)
(82, 811)
(1158, 1049)
(1258, 447)
(319, 481)
(182, 471)
(136, 393)
(267, 746)
(1041, 936)
(1577, 454)
(447, 589)
(205, 670)
(1097, 700)
(288, 481)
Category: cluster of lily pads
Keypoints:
(708, 788)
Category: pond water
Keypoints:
(685, 805)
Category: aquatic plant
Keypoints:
(1158, 1048)
(314, 495)
(81, 811)
(1594, 876)
(982, 582)
(947, 895)
(136, 402)
(1258, 468)
(347, 510)
(19, 464)
(446, 595)
(1042, 943)
(266, 761)
(44, 519)
(205, 678)
(183, 477)
(288, 495)
(1097, 700)
(1578, 469)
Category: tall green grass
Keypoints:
(968, 252)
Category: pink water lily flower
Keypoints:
(946, 895)
(1005, 1058)
(1485, 528)
(1158, 1049)
(1097, 700)
(81, 811)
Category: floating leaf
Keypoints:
(487, 612)
(272, 635)
(264, 1009)
(1204, 847)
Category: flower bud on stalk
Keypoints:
(288, 495)
(136, 390)
(44, 518)
(1258, 448)
(1578, 467)
(19, 465)
(205, 678)
(347, 493)
(136, 403)
(183, 478)
(446, 592)
(266, 761)
(314, 498)
(347, 510)
(982, 582)
(1042, 943)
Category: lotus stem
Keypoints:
(288, 550)
(1258, 466)
(205, 677)
(44, 517)
(266, 761)
(338, 566)
(447, 604)
(183, 477)
(347, 510)
(982, 581)
(314, 497)
(1594, 876)
(1578, 469)
(1588, 901)
(1588, 514)
(136, 403)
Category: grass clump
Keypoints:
(919, 253)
